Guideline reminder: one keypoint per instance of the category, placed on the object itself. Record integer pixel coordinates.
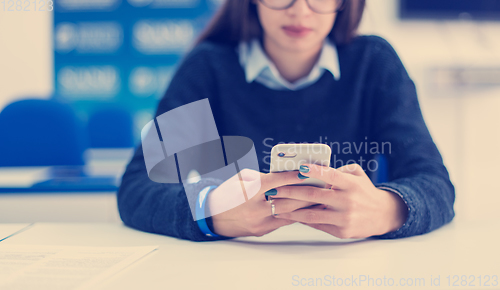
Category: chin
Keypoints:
(298, 45)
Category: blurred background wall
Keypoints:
(455, 64)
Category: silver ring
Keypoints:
(273, 207)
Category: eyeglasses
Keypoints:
(318, 6)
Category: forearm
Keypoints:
(158, 208)
(429, 199)
(415, 166)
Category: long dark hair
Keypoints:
(237, 20)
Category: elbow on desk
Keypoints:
(448, 212)
(440, 207)
(430, 200)
(129, 206)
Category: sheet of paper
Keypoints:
(62, 267)
(7, 230)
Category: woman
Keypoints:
(294, 71)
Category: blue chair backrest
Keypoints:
(40, 133)
(110, 128)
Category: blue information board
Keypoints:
(122, 52)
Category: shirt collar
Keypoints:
(329, 59)
(254, 60)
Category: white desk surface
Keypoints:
(7, 230)
(271, 261)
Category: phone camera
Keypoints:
(281, 154)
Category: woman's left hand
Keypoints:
(352, 208)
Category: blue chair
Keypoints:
(40, 133)
(110, 128)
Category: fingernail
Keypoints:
(304, 169)
(302, 176)
(271, 192)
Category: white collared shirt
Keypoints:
(258, 67)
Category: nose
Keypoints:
(299, 8)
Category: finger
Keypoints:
(277, 179)
(264, 208)
(337, 178)
(255, 185)
(271, 224)
(337, 231)
(315, 216)
(318, 206)
(354, 169)
(285, 205)
(249, 174)
(311, 194)
(329, 229)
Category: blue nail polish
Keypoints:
(271, 192)
(302, 176)
(304, 169)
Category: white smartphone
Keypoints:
(289, 157)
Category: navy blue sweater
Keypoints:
(372, 108)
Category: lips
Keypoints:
(296, 31)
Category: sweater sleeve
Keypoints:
(416, 169)
(164, 208)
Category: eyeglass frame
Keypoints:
(341, 7)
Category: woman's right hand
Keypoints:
(253, 217)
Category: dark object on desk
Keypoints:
(450, 9)
(382, 173)
(40, 133)
(110, 128)
(65, 179)
(66, 185)
(80, 184)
